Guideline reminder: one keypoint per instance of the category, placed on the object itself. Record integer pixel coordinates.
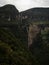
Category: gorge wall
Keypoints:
(32, 33)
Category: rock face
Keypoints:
(33, 31)
(8, 12)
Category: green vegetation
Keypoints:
(13, 51)
(40, 22)
(40, 48)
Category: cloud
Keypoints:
(2, 2)
(42, 2)
(26, 4)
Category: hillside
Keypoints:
(8, 13)
(37, 14)
(13, 51)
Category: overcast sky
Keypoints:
(22, 5)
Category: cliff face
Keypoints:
(32, 33)
(34, 15)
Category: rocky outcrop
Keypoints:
(8, 12)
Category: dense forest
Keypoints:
(24, 36)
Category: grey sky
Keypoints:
(26, 4)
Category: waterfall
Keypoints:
(32, 33)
